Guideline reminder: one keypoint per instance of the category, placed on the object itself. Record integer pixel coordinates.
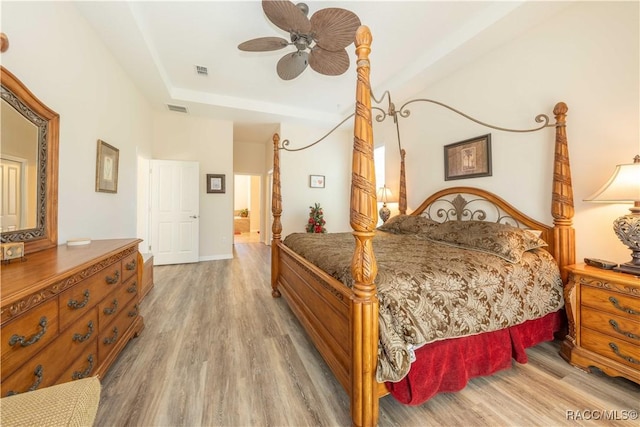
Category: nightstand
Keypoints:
(603, 308)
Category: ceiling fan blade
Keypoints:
(329, 63)
(292, 64)
(334, 28)
(263, 44)
(286, 16)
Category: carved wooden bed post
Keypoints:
(402, 200)
(364, 217)
(562, 195)
(276, 210)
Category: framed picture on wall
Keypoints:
(316, 181)
(215, 183)
(107, 168)
(470, 158)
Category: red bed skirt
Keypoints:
(446, 366)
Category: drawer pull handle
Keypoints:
(617, 305)
(110, 310)
(134, 312)
(113, 339)
(83, 338)
(78, 375)
(21, 339)
(616, 328)
(111, 280)
(133, 288)
(131, 265)
(38, 374)
(75, 304)
(627, 358)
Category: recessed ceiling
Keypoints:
(159, 43)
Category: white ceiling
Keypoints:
(159, 44)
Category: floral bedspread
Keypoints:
(429, 291)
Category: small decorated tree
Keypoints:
(316, 221)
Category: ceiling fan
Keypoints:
(320, 41)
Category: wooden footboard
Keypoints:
(322, 304)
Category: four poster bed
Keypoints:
(469, 250)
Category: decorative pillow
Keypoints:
(536, 233)
(393, 224)
(418, 224)
(505, 241)
(408, 224)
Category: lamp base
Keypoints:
(627, 228)
(384, 212)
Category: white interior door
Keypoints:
(12, 184)
(174, 211)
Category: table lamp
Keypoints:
(383, 195)
(624, 187)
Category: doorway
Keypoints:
(247, 212)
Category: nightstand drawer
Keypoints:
(611, 302)
(611, 348)
(611, 325)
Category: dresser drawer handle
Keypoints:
(133, 288)
(134, 312)
(21, 339)
(83, 338)
(110, 310)
(616, 328)
(38, 374)
(113, 339)
(111, 280)
(131, 265)
(75, 304)
(627, 358)
(78, 375)
(617, 305)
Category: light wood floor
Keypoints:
(217, 350)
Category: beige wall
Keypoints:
(60, 59)
(331, 158)
(587, 56)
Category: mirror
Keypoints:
(29, 167)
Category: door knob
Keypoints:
(193, 216)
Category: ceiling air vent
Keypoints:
(203, 71)
(177, 108)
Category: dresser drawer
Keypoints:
(86, 294)
(129, 266)
(114, 303)
(28, 334)
(84, 366)
(611, 325)
(611, 348)
(113, 333)
(611, 302)
(47, 366)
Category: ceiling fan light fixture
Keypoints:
(320, 41)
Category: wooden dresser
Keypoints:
(603, 308)
(67, 312)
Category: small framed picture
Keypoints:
(316, 181)
(470, 158)
(107, 168)
(215, 183)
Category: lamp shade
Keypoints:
(622, 187)
(384, 193)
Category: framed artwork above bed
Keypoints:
(470, 158)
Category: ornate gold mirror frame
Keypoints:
(45, 233)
